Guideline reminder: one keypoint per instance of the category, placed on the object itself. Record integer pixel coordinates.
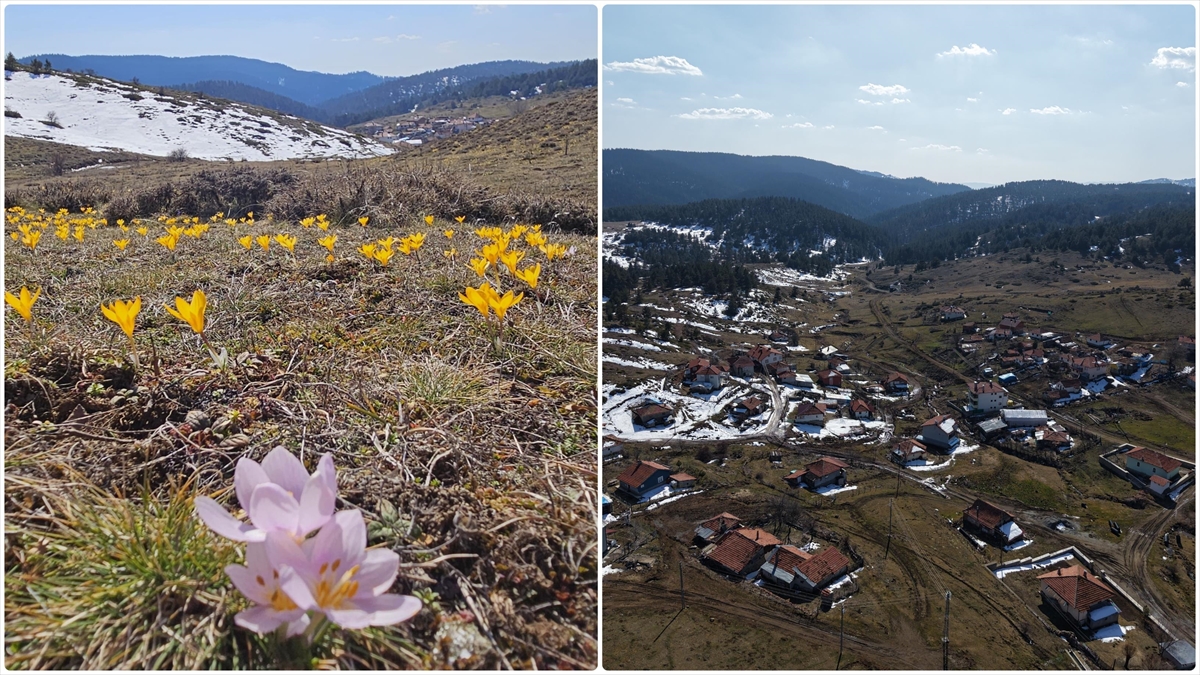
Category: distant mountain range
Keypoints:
(637, 177)
(341, 100)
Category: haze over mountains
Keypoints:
(330, 98)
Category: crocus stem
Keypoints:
(133, 352)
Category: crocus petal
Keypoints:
(247, 476)
(272, 508)
(282, 551)
(285, 470)
(260, 618)
(344, 538)
(296, 588)
(317, 500)
(382, 610)
(244, 580)
(377, 571)
(298, 626)
(219, 521)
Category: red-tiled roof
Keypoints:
(1154, 459)
(759, 536)
(728, 519)
(709, 370)
(639, 471)
(985, 388)
(681, 477)
(892, 377)
(908, 445)
(743, 362)
(810, 409)
(822, 566)
(988, 514)
(650, 410)
(1159, 480)
(825, 466)
(736, 549)
(788, 556)
(1077, 586)
(697, 362)
(795, 475)
(859, 405)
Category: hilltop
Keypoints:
(102, 114)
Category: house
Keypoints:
(748, 407)
(811, 413)
(829, 378)
(712, 377)
(794, 478)
(1098, 341)
(742, 366)
(1001, 333)
(985, 396)
(791, 567)
(711, 529)
(764, 354)
(1048, 439)
(651, 414)
(1158, 485)
(895, 383)
(1088, 367)
(991, 428)
(970, 327)
(823, 472)
(683, 481)
(1079, 595)
(1146, 463)
(741, 552)
(1013, 324)
(992, 521)
(641, 477)
(781, 371)
(940, 432)
(907, 451)
(1188, 344)
(1180, 654)
(1020, 418)
(861, 410)
(778, 336)
(605, 504)
(804, 381)
(1007, 378)
(952, 313)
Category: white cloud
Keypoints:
(610, 83)
(799, 125)
(483, 9)
(1181, 84)
(877, 128)
(387, 39)
(981, 150)
(972, 100)
(625, 100)
(656, 65)
(1050, 110)
(866, 102)
(1175, 58)
(1008, 111)
(726, 114)
(350, 39)
(828, 126)
(901, 100)
(880, 90)
(970, 50)
(685, 98)
(938, 146)
(728, 98)
(901, 140)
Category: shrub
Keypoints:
(58, 164)
(12, 113)
(177, 155)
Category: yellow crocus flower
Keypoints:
(530, 274)
(308, 222)
(120, 243)
(510, 260)
(491, 253)
(501, 304)
(123, 313)
(168, 241)
(79, 233)
(247, 242)
(449, 233)
(450, 253)
(367, 250)
(460, 219)
(287, 241)
(24, 302)
(476, 298)
(143, 230)
(479, 265)
(328, 241)
(190, 312)
(264, 241)
(363, 221)
(384, 255)
(387, 243)
(428, 220)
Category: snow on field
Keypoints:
(964, 449)
(829, 490)
(1112, 633)
(979, 543)
(1026, 567)
(632, 343)
(674, 497)
(928, 465)
(785, 276)
(1018, 545)
(842, 428)
(619, 329)
(637, 362)
(105, 115)
(708, 328)
(609, 569)
(931, 483)
(797, 348)
(692, 414)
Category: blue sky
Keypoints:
(382, 39)
(984, 94)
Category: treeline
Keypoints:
(668, 259)
(244, 93)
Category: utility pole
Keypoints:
(891, 504)
(946, 635)
(681, 600)
(841, 637)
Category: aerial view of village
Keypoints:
(858, 421)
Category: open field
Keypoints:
(470, 454)
(995, 623)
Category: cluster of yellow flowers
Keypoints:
(383, 249)
(503, 250)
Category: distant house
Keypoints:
(895, 383)
(1098, 341)
(1159, 485)
(693, 365)
(641, 477)
(823, 472)
(1048, 439)
(861, 410)
(742, 366)
(1016, 326)
(711, 529)
(781, 371)
(1088, 367)
(829, 378)
(778, 336)
(811, 413)
(793, 568)
(970, 327)
(804, 381)
(991, 427)
(683, 481)
(712, 377)
(1145, 462)
(741, 552)
(992, 521)
(605, 504)
(765, 354)
(748, 407)
(1001, 333)
(1081, 596)
(651, 415)
(985, 396)
(940, 432)
(952, 313)
(907, 451)
(1180, 654)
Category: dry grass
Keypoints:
(485, 453)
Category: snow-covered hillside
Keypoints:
(102, 115)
